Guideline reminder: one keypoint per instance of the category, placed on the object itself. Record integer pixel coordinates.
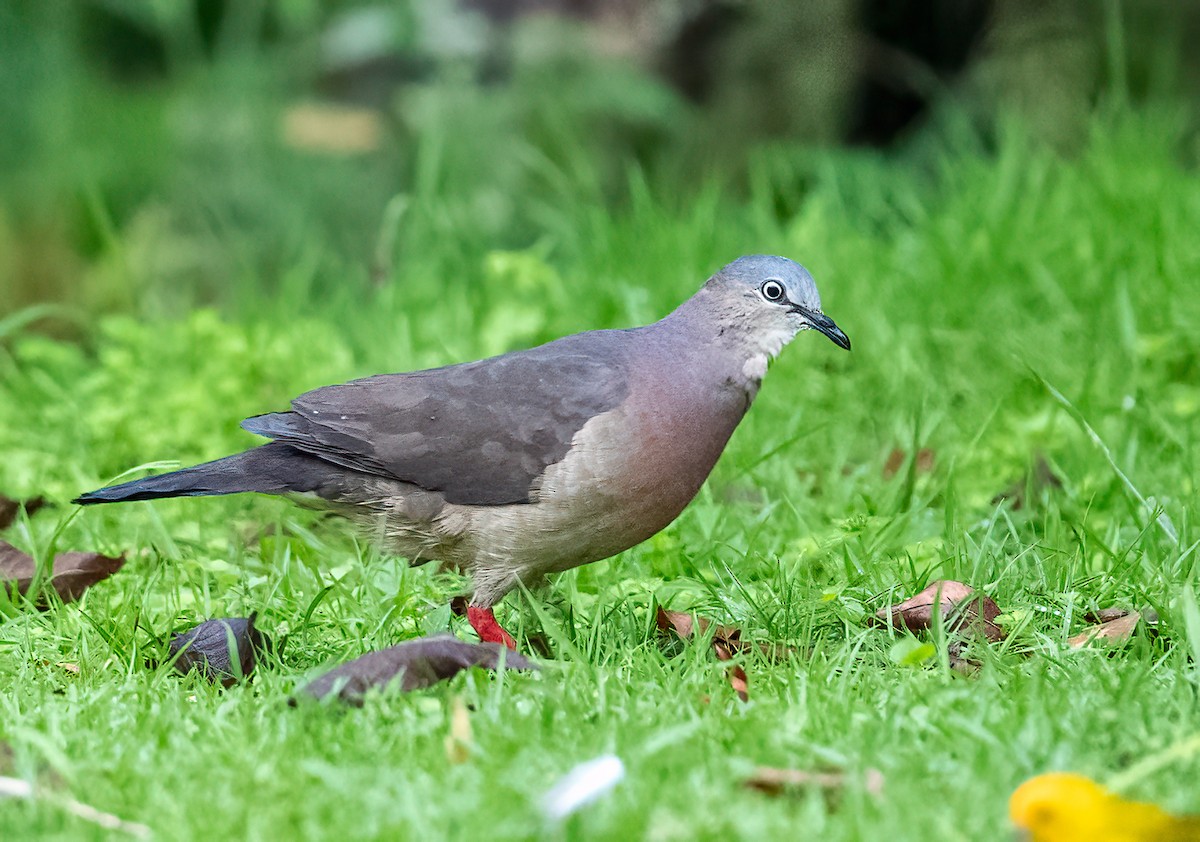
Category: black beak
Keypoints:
(823, 323)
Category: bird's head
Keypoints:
(1060, 805)
(772, 299)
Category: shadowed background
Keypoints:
(157, 155)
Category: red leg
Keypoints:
(485, 625)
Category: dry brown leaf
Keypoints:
(962, 608)
(1119, 628)
(775, 781)
(1040, 478)
(1103, 615)
(726, 640)
(9, 508)
(677, 621)
(924, 462)
(74, 572)
(1148, 625)
(413, 665)
(685, 624)
(736, 674)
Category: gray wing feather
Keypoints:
(480, 433)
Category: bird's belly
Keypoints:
(625, 478)
(559, 535)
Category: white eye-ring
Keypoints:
(772, 291)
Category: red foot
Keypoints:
(485, 625)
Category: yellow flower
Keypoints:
(1064, 807)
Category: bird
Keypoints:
(532, 462)
(1067, 807)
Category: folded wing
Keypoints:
(480, 433)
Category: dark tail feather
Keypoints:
(270, 469)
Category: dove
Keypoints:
(536, 461)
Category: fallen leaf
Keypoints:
(725, 641)
(1103, 615)
(1040, 478)
(774, 781)
(923, 464)
(1118, 628)
(961, 608)
(414, 665)
(74, 572)
(458, 741)
(9, 508)
(736, 674)
(677, 621)
(1148, 625)
(206, 649)
(684, 625)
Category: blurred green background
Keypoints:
(209, 207)
(159, 154)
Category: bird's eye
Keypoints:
(772, 291)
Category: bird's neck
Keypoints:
(703, 321)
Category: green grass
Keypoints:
(974, 283)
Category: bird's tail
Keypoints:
(273, 468)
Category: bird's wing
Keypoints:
(480, 433)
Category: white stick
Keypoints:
(17, 788)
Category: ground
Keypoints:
(1006, 304)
